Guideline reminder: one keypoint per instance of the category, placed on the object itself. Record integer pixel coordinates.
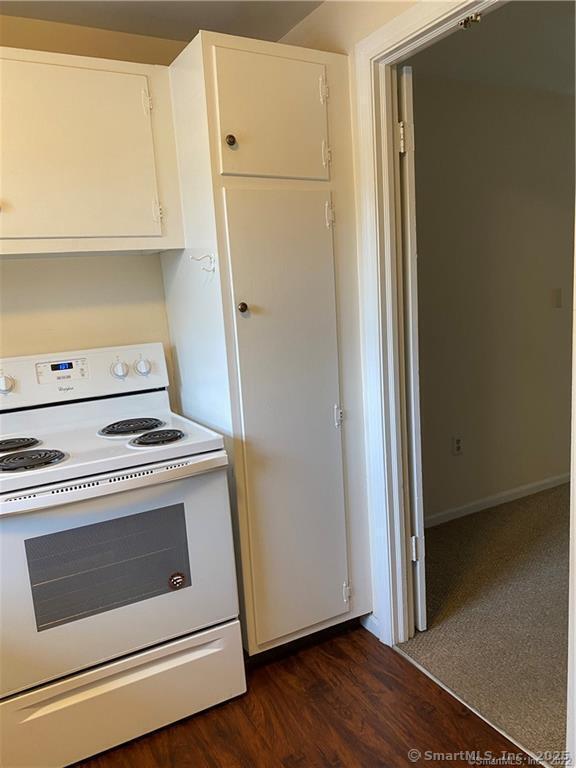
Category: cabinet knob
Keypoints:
(242, 307)
(231, 140)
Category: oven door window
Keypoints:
(95, 568)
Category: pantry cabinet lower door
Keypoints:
(281, 260)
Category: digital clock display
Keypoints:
(62, 366)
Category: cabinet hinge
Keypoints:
(146, 101)
(401, 137)
(346, 592)
(338, 415)
(157, 212)
(329, 214)
(326, 153)
(414, 549)
(405, 137)
(324, 90)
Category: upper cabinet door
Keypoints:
(76, 153)
(272, 116)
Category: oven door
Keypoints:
(96, 579)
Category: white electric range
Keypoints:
(118, 597)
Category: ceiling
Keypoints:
(175, 20)
(525, 44)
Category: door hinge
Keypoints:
(326, 153)
(405, 137)
(157, 212)
(467, 21)
(146, 101)
(346, 592)
(338, 415)
(329, 214)
(414, 549)
(324, 90)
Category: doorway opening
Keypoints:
(485, 175)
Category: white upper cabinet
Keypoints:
(271, 115)
(79, 165)
(89, 171)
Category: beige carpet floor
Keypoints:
(498, 615)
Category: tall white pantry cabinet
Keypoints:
(263, 315)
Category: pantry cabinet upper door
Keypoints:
(76, 153)
(275, 110)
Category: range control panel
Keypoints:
(62, 370)
(90, 373)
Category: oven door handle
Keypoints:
(57, 494)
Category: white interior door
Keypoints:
(76, 153)
(282, 268)
(276, 110)
(410, 279)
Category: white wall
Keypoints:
(495, 203)
(39, 35)
(55, 303)
(337, 25)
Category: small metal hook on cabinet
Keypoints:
(211, 266)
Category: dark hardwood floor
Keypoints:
(346, 702)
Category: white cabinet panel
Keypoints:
(76, 153)
(275, 109)
(282, 267)
(269, 378)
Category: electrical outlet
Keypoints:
(557, 299)
(457, 446)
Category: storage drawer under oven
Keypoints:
(89, 581)
(69, 720)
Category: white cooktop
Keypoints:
(73, 429)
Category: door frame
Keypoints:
(379, 246)
(378, 215)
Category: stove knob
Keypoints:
(119, 370)
(143, 367)
(6, 384)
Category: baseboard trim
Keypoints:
(371, 623)
(493, 501)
